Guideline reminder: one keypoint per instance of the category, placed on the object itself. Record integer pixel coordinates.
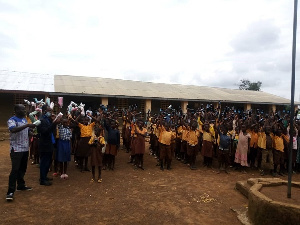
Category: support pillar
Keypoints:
(147, 105)
(272, 108)
(184, 105)
(104, 101)
(216, 105)
(247, 106)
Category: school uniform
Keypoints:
(140, 146)
(279, 150)
(155, 140)
(63, 153)
(253, 148)
(266, 145)
(192, 147)
(173, 145)
(178, 142)
(165, 147)
(126, 137)
(133, 139)
(96, 145)
(140, 141)
(207, 148)
(86, 131)
(183, 149)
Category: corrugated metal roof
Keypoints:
(116, 87)
(23, 81)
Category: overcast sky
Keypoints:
(207, 43)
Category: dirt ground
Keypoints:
(126, 195)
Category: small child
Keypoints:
(113, 143)
(96, 143)
(243, 148)
(278, 156)
(192, 145)
(224, 148)
(165, 151)
(141, 133)
(83, 152)
(253, 148)
(267, 150)
(63, 155)
(207, 145)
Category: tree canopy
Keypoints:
(246, 84)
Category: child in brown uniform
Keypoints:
(192, 145)
(253, 146)
(278, 153)
(165, 146)
(139, 143)
(178, 140)
(207, 145)
(83, 152)
(132, 142)
(96, 143)
(266, 150)
(126, 137)
(183, 150)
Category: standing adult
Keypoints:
(46, 140)
(19, 150)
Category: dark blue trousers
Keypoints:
(45, 162)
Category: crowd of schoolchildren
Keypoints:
(236, 138)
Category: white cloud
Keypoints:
(213, 43)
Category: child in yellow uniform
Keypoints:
(192, 145)
(266, 145)
(96, 143)
(166, 138)
(278, 153)
(173, 142)
(207, 145)
(183, 150)
(83, 150)
(178, 140)
(253, 146)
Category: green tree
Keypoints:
(248, 85)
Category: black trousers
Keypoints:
(18, 169)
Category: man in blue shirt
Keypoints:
(19, 146)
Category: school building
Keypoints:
(93, 91)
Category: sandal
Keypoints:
(92, 180)
(99, 180)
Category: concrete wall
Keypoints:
(6, 108)
(264, 211)
(8, 101)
